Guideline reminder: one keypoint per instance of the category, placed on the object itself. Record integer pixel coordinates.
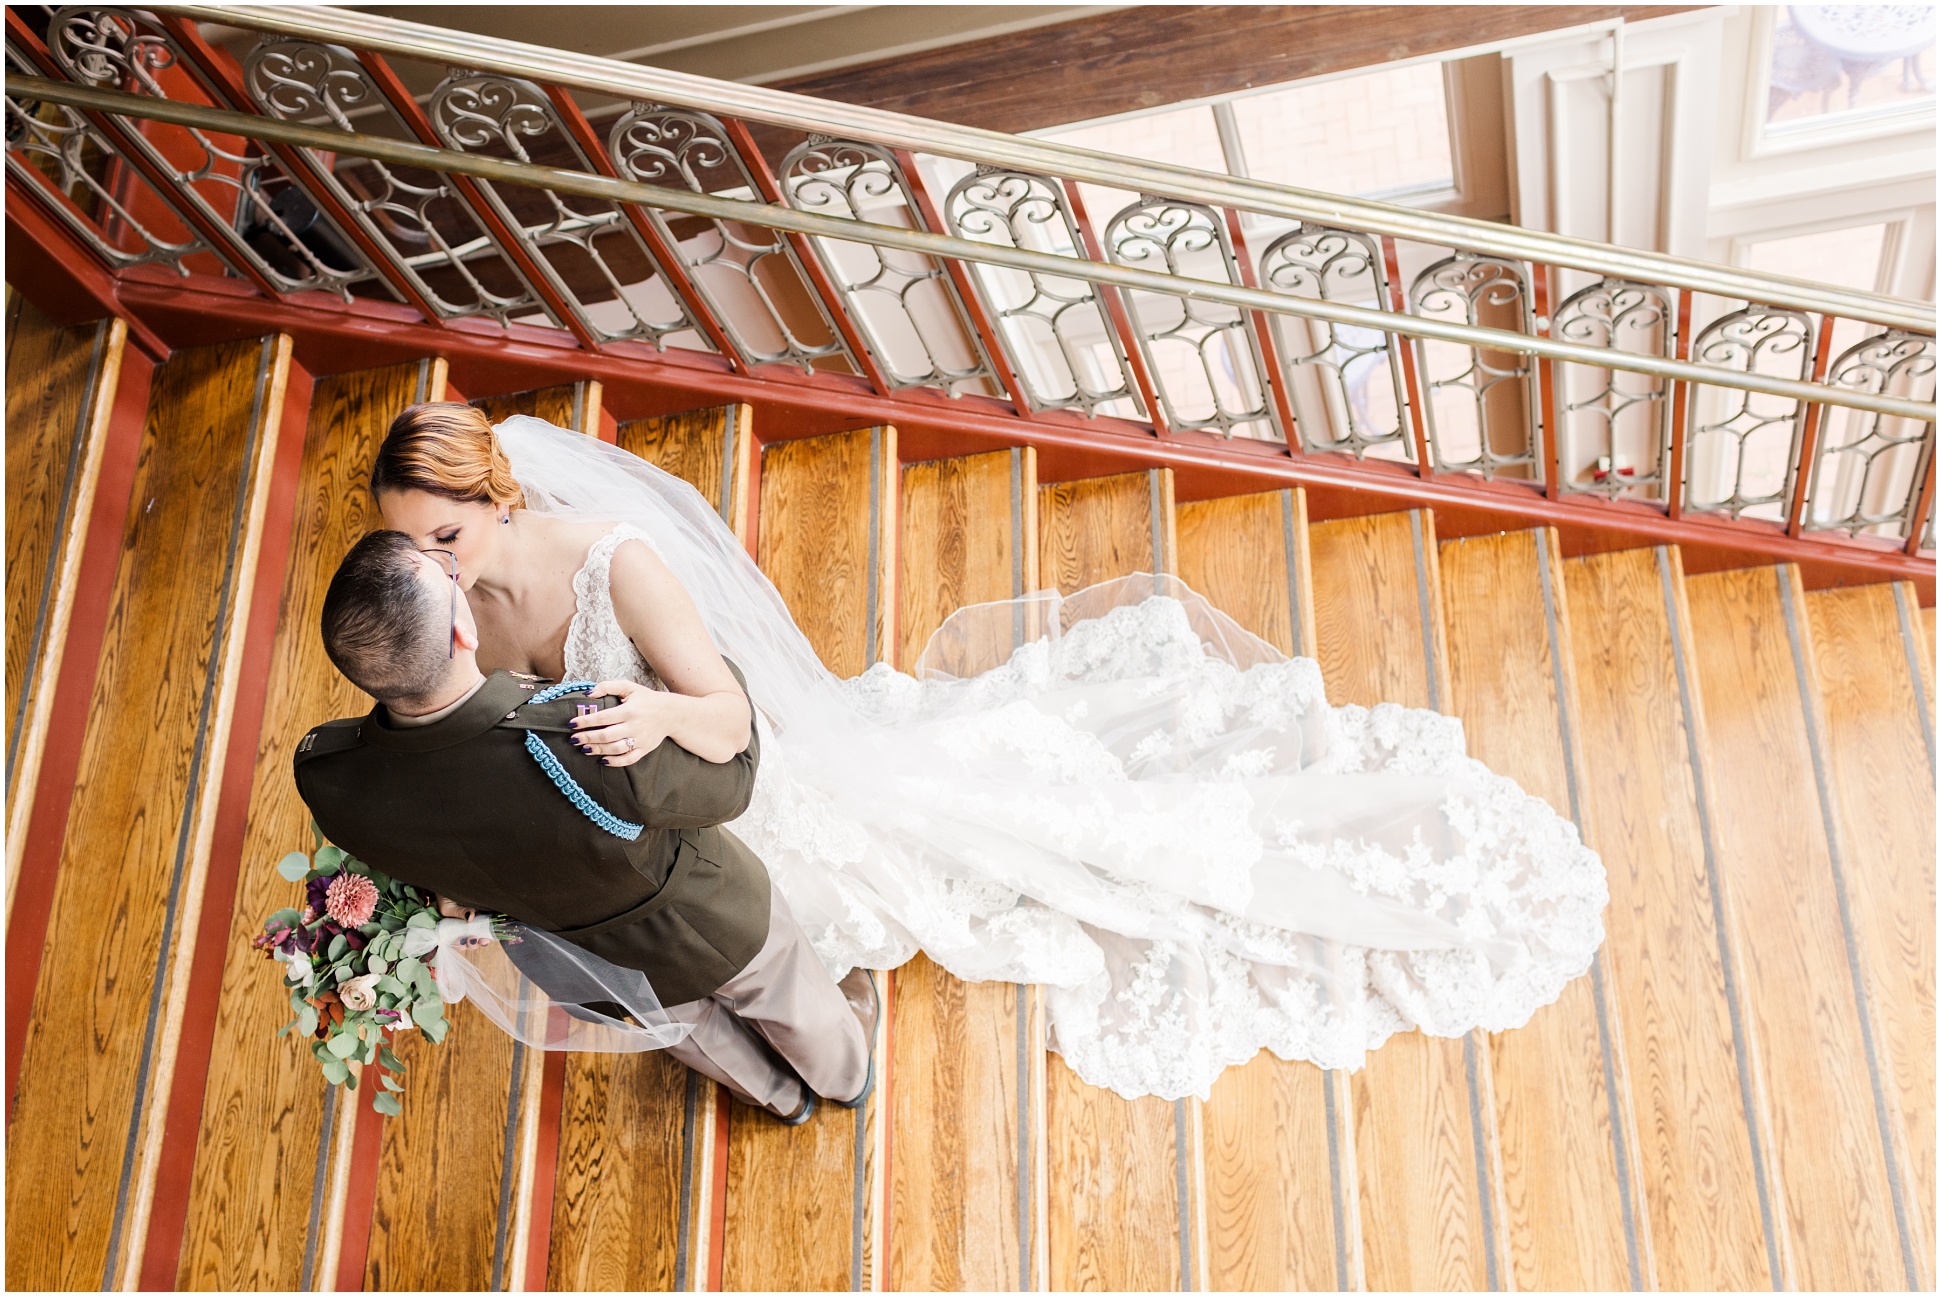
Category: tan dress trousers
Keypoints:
(782, 1003)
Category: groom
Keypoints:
(438, 786)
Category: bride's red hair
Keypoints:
(446, 449)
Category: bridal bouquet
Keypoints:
(360, 959)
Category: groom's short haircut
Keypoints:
(383, 625)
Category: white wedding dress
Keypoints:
(1120, 794)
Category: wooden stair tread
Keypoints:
(568, 405)
(94, 1080)
(1780, 855)
(1279, 1157)
(256, 1188)
(710, 449)
(1701, 1169)
(1562, 1101)
(803, 1203)
(967, 1109)
(61, 384)
(1879, 761)
(1428, 1193)
(1120, 1172)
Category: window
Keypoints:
(1383, 133)
(1835, 60)
(1849, 257)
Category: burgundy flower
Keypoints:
(351, 899)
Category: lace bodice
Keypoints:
(596, 647)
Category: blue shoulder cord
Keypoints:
(575, 794)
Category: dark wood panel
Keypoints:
(569, 405)
(1099, 528)
(1781, 858)
(100, 1044)
(1883, 774)
(1426, 1223)
(711, 450)
(256, 1183)
(817, 511)
(1149, 55)
(60, 392)
(1568, 1167)
(1698, 1167)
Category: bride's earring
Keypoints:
(506, 521)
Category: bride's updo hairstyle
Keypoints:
(447, 449)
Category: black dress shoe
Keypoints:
(802, 1114)
(869, 1020)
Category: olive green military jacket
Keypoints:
(460, 807)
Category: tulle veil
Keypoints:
(1121, 794)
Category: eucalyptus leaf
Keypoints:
(330, 859)
(387, 1104)
(390, 1060)
(436, 1030)
(426, 1012)
(422, 919)
(388, 985)
(389, 1084)
(294, 866)
(376, 964)
(343, 1044)
(287, 917)
(316, 835)
(338, 945)
(307, 1021)
(336, 1071)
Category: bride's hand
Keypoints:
(622, 735)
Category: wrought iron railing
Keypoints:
(646, 212)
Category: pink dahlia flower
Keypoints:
(351, 900)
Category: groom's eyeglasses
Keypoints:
(448, 561)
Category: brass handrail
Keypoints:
(936, 245)
(633, 81)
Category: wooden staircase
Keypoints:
(1740, 1095)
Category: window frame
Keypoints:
(1763, 140)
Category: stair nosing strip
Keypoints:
(1423, 611)
(508, 1158)
(70, 482)
(1022, 1114)
(684, 1220)
(858, 1195)
(1339, 1204)
(723, 504)
(1829, 821)
(1485, 1191)
(870, 645)
(1153, 522)
(319, 1186)
(1728, 972)
(1291, 556)
(1181, 1146)
(191, 793)
(1600, 993)
(1914, 674)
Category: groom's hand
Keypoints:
(624, 734)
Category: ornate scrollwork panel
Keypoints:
(56, 150)
(1202, 355)
(432, 237)
(1343, 381)
(267, 221)
(1611, 429)
(1868, 469)
(1054, 330)
(592, 256)
(749, 275)
(1744, 446)
(905, 304)
(1481, 405)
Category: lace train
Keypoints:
(1120, 794)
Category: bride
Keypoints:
(1119, 793)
